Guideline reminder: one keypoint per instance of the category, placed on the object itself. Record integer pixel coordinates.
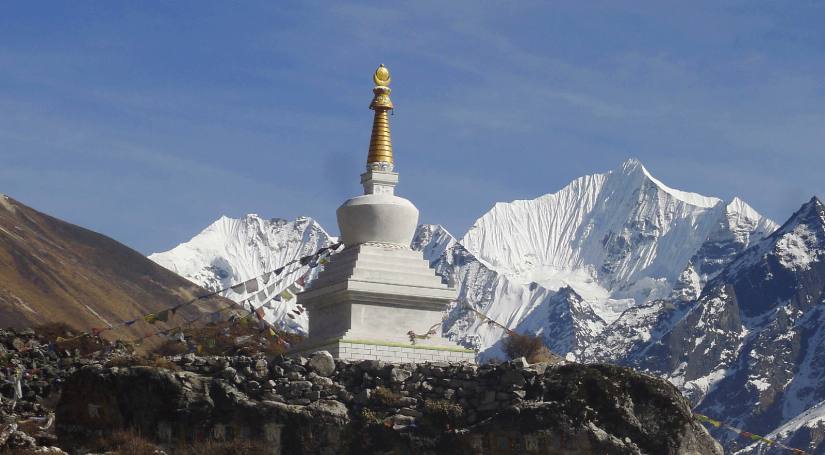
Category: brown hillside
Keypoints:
(54, 271)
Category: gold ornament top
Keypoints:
(382, 76)
(380, 154)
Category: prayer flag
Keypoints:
(293, 288)
(18, 387)
(324, 261)
(251, 285)
(271, 332)
(260, 313)
(285, 294)
(265, 277)
(130, 322)
(151, 318)
(163, 316)
(290, 315)
(262, 297)
(301, 281)
(306, 259)
(238, 288)
(278, 271)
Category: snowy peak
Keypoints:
(621, 234)
(633, 168)
(811, 214)
(796, 245)
(231, 250)
(433, 240)
(801, 240)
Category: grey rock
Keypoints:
(520, 363)
(322, 363)
(228, 373)
(399, 375)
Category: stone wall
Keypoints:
(319, 405)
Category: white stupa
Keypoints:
(378, 299)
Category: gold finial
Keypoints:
(380, 155)
(382, 76)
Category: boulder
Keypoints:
(322, 363)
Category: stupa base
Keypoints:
(354, 349)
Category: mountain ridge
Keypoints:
(54, 271)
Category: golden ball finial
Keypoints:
(382, 76)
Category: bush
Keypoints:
(125, 443)
(132, 443)
(442, 414)
(386, 397)
(50, 332)
(370, 417)
(531, 347)
(236, 447)
(227, 338)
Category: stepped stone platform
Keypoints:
(368, 301)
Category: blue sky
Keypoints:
(148, 120)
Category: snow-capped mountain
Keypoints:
(752, 348)
(616, 240)
(230, 251)
(615, 267)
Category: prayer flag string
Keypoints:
(747, 435)
(248, 286)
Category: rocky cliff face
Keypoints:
(752, 347)
(318, 405)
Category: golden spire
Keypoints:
(380, 142)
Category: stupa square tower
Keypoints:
(378, 299)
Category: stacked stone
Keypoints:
(480, 390)
(41, 371)
(312, 404)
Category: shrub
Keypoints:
(370, 417)
(440, 414)
(236, 447)
(227, 338)
(386, 397)
(531, 347)
(51, 331)
(125, 443)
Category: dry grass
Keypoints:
(132, 443)
(51, 331)
(227, 338)
(530, 347)
(442, 414)
(125, 443)
(8, 451)
(238, 447)
(386, 397)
